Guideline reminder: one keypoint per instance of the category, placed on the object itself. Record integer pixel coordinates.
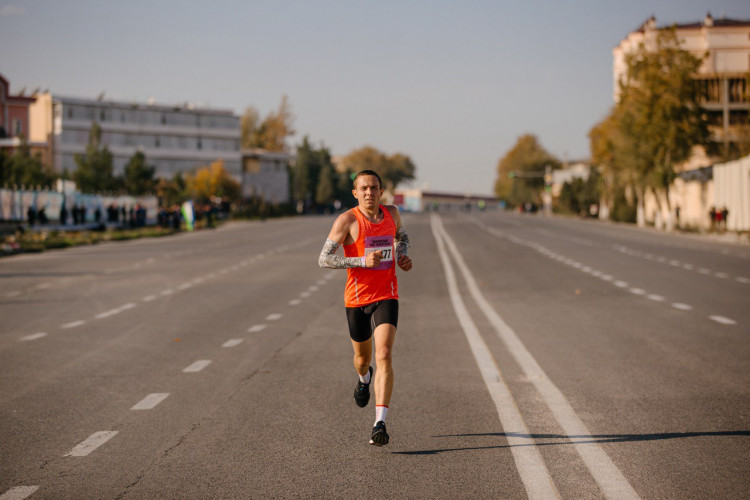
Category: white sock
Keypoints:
(380, 413)
(365, 379)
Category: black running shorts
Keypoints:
(363, 320)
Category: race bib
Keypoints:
(384, 244)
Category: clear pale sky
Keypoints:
(452, 84)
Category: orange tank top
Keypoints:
(365, 285)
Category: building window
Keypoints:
(200, 145)
(17, 127)
(102, 115)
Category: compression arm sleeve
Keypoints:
(329, 259)
(402, 242)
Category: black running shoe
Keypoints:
(362, 392)
(379, 435)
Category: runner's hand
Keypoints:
(373, 259)
(404, 262)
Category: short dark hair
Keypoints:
(367, 172)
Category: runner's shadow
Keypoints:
(569, 440)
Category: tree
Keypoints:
(138, 178)
(324, 191)
(313, 175)
(250, 128)
(658, 119)
(578, 195)
(172, 191)
(393, 169)
(271, 133)
(520, 172)
(23, 168)
(212, 182)
(94, 169)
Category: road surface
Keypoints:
(535, 357)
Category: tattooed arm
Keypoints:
(402, 243)
(329, 259)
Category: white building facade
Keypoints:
(725, 46)
(174, 139)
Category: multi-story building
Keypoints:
(174, 139)
(265, 174)
(14, 117)
(724, 45)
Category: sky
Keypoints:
(452, 84)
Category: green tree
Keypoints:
(313, 175)
(94, 169)
(520, 172)
(658, 118)
(324, 191)
(172, 191)
(578, 195)
(23, 168)
(138, 177)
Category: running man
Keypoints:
(370, 232)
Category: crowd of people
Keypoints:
(718, 218)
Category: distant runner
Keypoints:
(374, 241)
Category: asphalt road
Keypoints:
(535, 357)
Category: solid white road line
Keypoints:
(150, 401)
(168, 291)
(273, 316)
(33, 336)
(18, 492)
(73, 324)
(256, 328)
(197, 366)
(529, 462)
(723, 320)
(232, 342)
(609, 478)
(149, 298)
(91, 443)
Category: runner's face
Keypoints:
(367, 191)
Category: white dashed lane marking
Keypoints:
(197, 366)
(18, 492)
(295, 302)
(682, 307)
(304, 295)
(149, 298)
(91, 443)
(723, 320)
(274, 317)
(623, 284)
(73, 324)
(232, 343)
(167, 292)
(256, 328)
(150, 401)
(117, 310)
(33, 336)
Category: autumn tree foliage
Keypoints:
(393, 169)
(213, 182)
(655, 124)
(270, 133)
(520, 172)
